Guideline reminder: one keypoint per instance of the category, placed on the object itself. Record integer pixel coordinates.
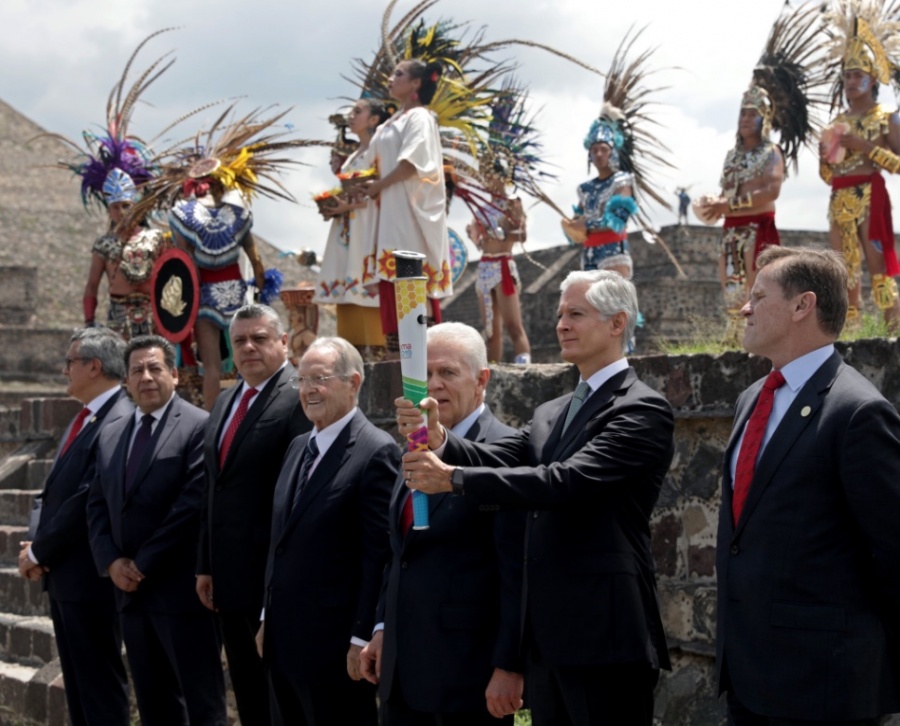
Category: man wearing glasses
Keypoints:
(329, 546)
(82, 604)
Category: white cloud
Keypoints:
(62, 56)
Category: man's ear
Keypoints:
(806, 303)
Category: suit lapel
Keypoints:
(789, 430)
(84, 439)
(325, 472)
(284, 495)
(596, 402)
(227, 406)
(164, 429)
(745, 407)
(257, 407)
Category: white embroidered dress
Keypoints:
(341, 278)
(412, 213)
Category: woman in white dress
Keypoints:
(410, 191)
(342, 279)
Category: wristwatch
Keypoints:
(456, 480)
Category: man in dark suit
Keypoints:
(589, 466)
(808, 554)
(451, 604)
(329, 547)
(82, 604)
(248, 433)
(144, 517)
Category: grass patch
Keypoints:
(708, 336)
(870, 326)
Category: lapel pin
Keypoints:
(805, 411)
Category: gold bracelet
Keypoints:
(825, 172)
(745, 201)
(886, 159)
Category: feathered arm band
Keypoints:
(617, 212)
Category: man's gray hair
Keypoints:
(104, 345)
(348, 362)
(609, 293)
(258, 310)
(467, 339)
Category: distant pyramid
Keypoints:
(43, 223)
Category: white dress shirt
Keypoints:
(796, 374)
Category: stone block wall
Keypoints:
(18, 294)
(32, 354)
(674, 307)
(702, 389)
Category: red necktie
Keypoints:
(76, 428)
(406, 514)
(235, 423)
(753, 438)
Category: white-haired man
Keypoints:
(589, 466)
(450, 608)
(328, 548)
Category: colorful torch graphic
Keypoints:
(412, 323)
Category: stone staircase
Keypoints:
(31, 688)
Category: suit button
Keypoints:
(404, 564)
(218, 487)
(124, 515)
(279, 550)
(535, 514)
(734, 549)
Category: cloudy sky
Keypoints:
(60, 58)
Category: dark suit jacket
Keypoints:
(157, 523)
(590, 589)
(61, 541)
(452, 597)
(237, 509)
(809, 581)
(323, 574)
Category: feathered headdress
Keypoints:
(241, 154)
(513, 147)
(625, 124)
(472, 102)
(114, 163)
(863, 35)
(788, 80)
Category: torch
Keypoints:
(412, 323)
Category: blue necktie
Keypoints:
(581, 392)
(138, 448)
(309, 456)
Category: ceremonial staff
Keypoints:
(412, 324)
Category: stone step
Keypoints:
(10, 536)
(20, 596)
(14, 467)
(16, 506)
(27, 640)
(36, 473)
(30, 695)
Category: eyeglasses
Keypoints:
(70, 361)
(312, 382)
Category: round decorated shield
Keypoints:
(174, 294)
(459, 255)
